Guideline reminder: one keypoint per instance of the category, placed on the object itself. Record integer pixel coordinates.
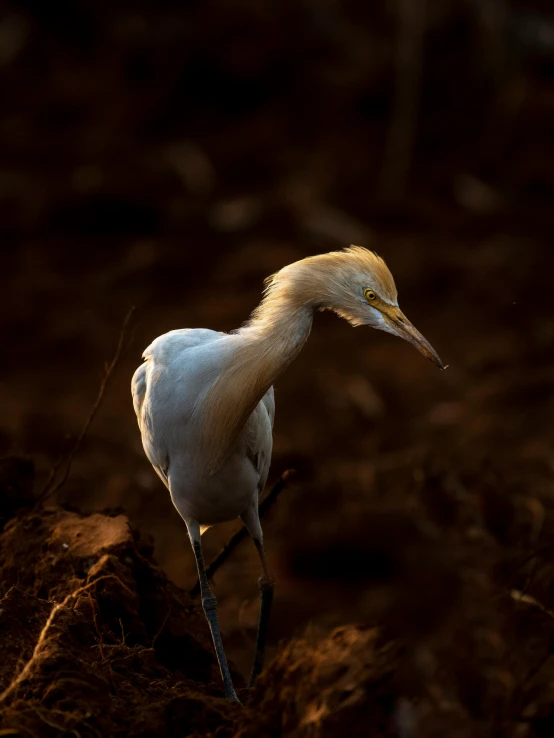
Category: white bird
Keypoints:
(205, 407)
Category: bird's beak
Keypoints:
(403, 328)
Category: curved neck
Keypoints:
(260, 351)
(272, 340)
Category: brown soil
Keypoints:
(170, 156)
(97, 641)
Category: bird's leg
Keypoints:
(266, 583)
(209, 605)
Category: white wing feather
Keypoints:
(177, 400)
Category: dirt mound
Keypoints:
(97, 641)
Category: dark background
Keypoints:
(170, 155)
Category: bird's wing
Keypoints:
(150, 392)
(138, 389)
(259, 437)
(269, 401)
(165, 390)
(163, 349)
(183, 338)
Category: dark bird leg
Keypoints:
(251, 519)
(209, 605)
(266, 583)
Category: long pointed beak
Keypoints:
(403, 328)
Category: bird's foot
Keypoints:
(231, 695)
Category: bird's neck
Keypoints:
(262, 350)
(275, 336)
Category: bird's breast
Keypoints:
(214, 498)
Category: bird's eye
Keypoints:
(369, 295)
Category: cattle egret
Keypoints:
(205, 407)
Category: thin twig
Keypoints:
(60, 461)
(123, 642)
(61, 728)
(42, 637)
(162, 626)
(518, 596)
(52, 486)
(98, 631)
(234, 541)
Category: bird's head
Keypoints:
(357, 285)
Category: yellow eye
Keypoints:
(369, 295)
